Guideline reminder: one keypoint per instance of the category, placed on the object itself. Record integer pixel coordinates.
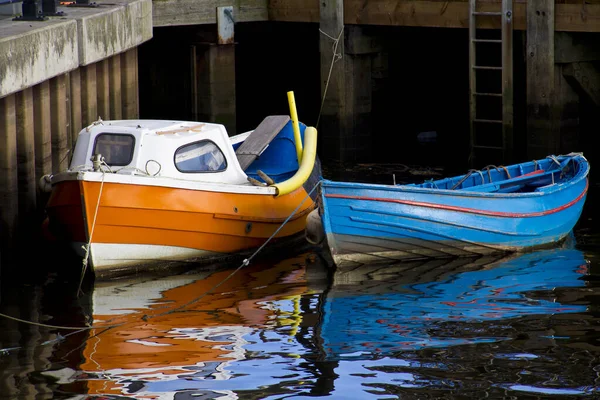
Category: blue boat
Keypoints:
(512, 208)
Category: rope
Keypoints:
(335, 57)
(87, 247)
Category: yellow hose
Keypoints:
(306, 166)
(295, 125)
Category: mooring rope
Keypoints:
(335, 57)
(87, 247)
(146, 317)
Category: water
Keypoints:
(522, 326)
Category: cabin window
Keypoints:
(203, 156)
(117, 149)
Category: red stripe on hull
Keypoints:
(465, 209)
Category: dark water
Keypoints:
(521, 326)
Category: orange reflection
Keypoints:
(164, 326)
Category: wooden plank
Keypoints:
(259, 139)
(574, 17)
(129, 84)
(294, 10)
(194, 12)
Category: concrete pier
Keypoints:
(55, 77)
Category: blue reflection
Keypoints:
(411, 317)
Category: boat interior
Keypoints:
(518, 178)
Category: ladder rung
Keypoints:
(488, 121)
(488, 94)
(488, 13)
(486, 67)
(488, 147)
(488, 40)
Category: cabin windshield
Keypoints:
(203, 156)
(117, 149)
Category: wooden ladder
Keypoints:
(491, 102)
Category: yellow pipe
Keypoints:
(306, 166)
(296, 126)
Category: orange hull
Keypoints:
(132, 224)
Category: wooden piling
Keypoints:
(103, 88)
(59, 118)
(75, 100)
(115, 92)
(89, 94)
(43, 138)
(542, 133)
(9, 206)
(26, 159)
(331, 121)
(129, 84)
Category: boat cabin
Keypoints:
(178, 149)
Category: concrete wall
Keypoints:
(35, 51)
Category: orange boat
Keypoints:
(147, 194)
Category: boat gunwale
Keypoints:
(581, 174)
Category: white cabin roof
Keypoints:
(155, 145)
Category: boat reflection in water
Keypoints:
(421, 300)
(275, 329)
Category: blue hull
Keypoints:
(461, 216)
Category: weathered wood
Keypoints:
(575, 16)
(294, 10)
(103, 88)
(194, 12)
(260, 138)
(9, 205)
(572, 47)
(115, 95)
(332, 117)
(42, 131)
(75, 100)
(59, 124)
(26, 158)
(585, 80)
(507, 82)
(213, 84)
(129, 84)
(542, 134)
(89, 94)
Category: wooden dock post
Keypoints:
(542, 132)
(43, 136)
(115, 91)
(75, 102)
(9, 206)
(129, 81)
(332, 116)
(103, 88)
(26, 181)
(346, 90)
(213, 75)
(59, 124)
